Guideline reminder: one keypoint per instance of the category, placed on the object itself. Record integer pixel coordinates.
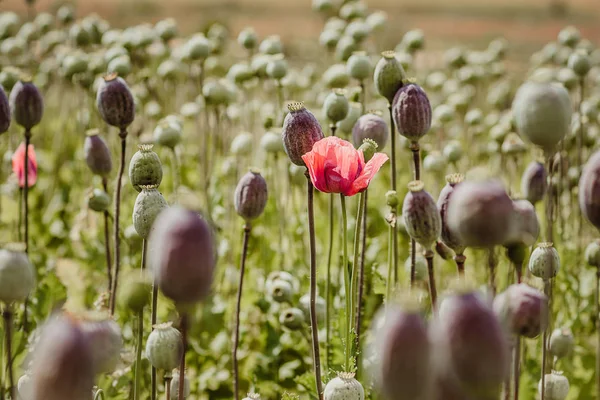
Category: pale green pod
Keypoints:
(336, 106)
(148, 204)
(556, 386)
(167, 133)
(388, 75)
(164, 347)
(98, 200)
(145, 168)
(17, 275)
(544, 261)
(344, 387)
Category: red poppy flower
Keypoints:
(18, 165)
(335, 166)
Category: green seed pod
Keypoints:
(166, 29)
(391, 198)
(98, 200)
(4, 111)
(474, 117)
(17, 275)
(579, 62)
(353, 10)
(453, 151)
(148, 204)
(421, 216)
(292, 318)
(434, 162)
(135, 292)
(336, 105)
(248, 38)
(175, 386)
(359, 66)
(347, 124)
(568, 78)
(388, 76)
(169, 70)
(145, 168)
(344, 48)
(517, 253)
(240, 73)
(329, 39)
(368, 148)
(251, 196)
(281, 291)
(344, 387)
(271, 143)
(336, 76)
(592, 254)
(164, 347)
(277, 67)
(320, 306)
(413, 40)
(197, 48)
(556, 386)
(168, 133)
(241, 145)
(569, 36)
(281, 275)
(271, 45)
(544, 261)
(358, 30)
(561, 342)
(377, 21)
(26, 103)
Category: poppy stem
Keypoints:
(416, 152)
(153, 313)
(516, 367)
(355, 260)
(138, 356)
(597, 293)
(432, 288)
(328, 285)
(183, 328)
(7, 316)
(175, 170)
(168, 387)
(544, 343)
(26, 190)
(492, 263)
(394, 241)
(238, 305)
(347, 281)
(460, 259)
(107, 239)
(361, 277)
(113, 294)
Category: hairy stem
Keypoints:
(236, 334)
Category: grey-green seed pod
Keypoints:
(421, 216)
(359, 66)
(370, 126)
(388, 76)
(336, 76)
(368, 148)
(271, 143)
(134, 294)
(358, 30)
(292, 318)
(164, 347)
(148, 204)
(4, 111)
(301, 131)
(329, 39)
(17, 275)
(345, 47)
(145, 168)
(280, 291)
(534, 182)
(522, 310)
(241, 145)
(412, 112)
(569, 36)
(544, 261)
(271, 45)
(336, 105)
(453, 151)
(248, 38)
(98, 200)
(592, 254)
(175, 386)
(435, 162)
(561, 342)
(97, 154)
(344, 387)
(115, 102)
(250, 196)
(166, 29)
(197, 47)
(556, 386)
(448, 237)
(347, 124)
(168, 133)
(580, 63)
(391, 198)
(27, 104)
(277, 67)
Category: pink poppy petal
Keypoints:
(368, 172)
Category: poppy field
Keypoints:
(225, 215)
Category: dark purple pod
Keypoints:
(421, 216)
(526, 227)
(448, 237)
(97, 154)
(471, 346)
(4, 111)
(522, 310)
(27, 104)
(181, 255)
(250, 196)
(370, 126)
(115, 102)
(301, 131)
(534, 182)
(412, 112)
(62, 364)
(589, 190)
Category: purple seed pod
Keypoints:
(27, 104)
(526, 227)
(62, 365)
(534, 182)
(115, 102)
(448, 237)
(401, 352)
(421, 216)
(544, 262)
(181, 255)
(589, 190)
(388, 75)
(522, 310)
(301, 131)
(251, 196)
(370, 126)
(412, 112)
(4, 111)
(104, 337)
(472, 350)
(97, 154)
(481, 214)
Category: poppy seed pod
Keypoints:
(248, 38)
(542, 113)
(480, 214)
(421, 216)
(98, 200)
(321, 307)
(449, 237)
(336, 105)
(471, 345)
(522, 310)
(556, 386)
(344, 387)
(388, 75)
(115, 102)
(561, 343)
(168, 133)
(175, 386)
(589, 190)
(104, 337)
(370, 126)
(27, 104)
(17, 275)
(301, 131)
(292, 318)
(526, 224)
(164, 347)
(347, 124)
(359, 66)
(534, 182)
(250, 196)
(544, 261)
(148, 204)
(277, 67)
(368, 148)
(181, 255)
(145, 168)
(280, 291)
(580, 63)
(97, 154)
(135, 291)
(592, 254)
(271, 143)
(412, 112)
(4, 111)
(62, 366)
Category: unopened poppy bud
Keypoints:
(556, 386)
(592, 254)
(281, 291)
(370, 126)
(115, 102)
(145, 168)
(412, 112)
(17, 275)
(544, 261)
(97, 154)
(368, 148)
(98, 200)
(250, 196)
(561, 342)
(4, 111)
(344, 387)
(301, 131)
(26, 103)
(336, 105)
(292, 318)
(421, 216)
(164, 347)
(388, 76)
(391, 198)
(148, 204)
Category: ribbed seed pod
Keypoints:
(148, 204)
(412, 112)
(115, 102)
(336, 105)
(589, 190)
(97, 153)
(145, 168)
(250, 196)
(561, 342)
(164, 347)
(544, 261)
(388, 75)
(480, 214)
(448, 237)
(104, 337)
(370, 126)
(522, 310)
(175, 386)
(526, 227)
(17, 275)
(534, 182)
(4, 111)
(421, 216)
(62, 366)
(556, 386)
(344, 387)
(27, 104)
(301, 131)
(181, 255)
(592, 254)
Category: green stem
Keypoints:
(138, 356)
(361, 284)
(347, 281)
(355, 263)
(175, 168)
(544, 344)
(7, 316)
(390, 272)
(99, 395)
(328, 285)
